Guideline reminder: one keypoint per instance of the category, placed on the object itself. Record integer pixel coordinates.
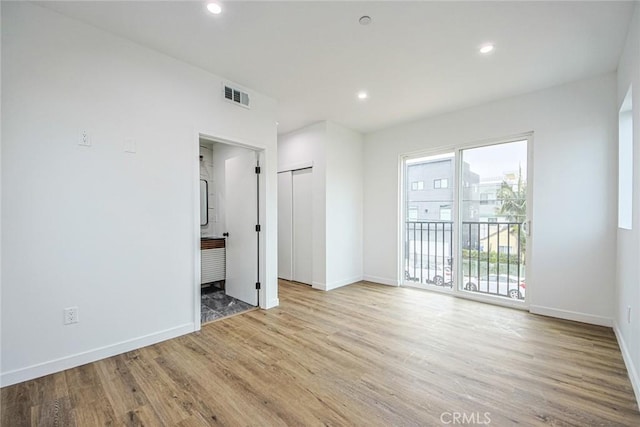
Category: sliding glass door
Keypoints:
(493, 213)
(464, 221)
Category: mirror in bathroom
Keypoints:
(204, 202)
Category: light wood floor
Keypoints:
(363, 355)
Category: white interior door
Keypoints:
(302, 182)
(241, 218)
(285, 228)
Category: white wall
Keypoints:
(628, 250)
(85, 230)
(336, 154)
(574, 181)
(344, 187)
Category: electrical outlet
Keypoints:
(628, 314)
(70, 315)
(83, 139)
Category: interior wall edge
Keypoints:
(381, 280)
(343, 282)
(319, 285)
(271, 303)
(628, 362)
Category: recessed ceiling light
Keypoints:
(214, 8)
(362, 95)
(365, 20)
(486, 48)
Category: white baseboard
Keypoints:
(628, 361)
(381, 280)
(67, 362)
(572, 315)
(319, 285)
(341, 283)
(274, 302)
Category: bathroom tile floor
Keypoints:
(216, 305)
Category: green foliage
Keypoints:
(474, 268)
(492, 257)
(513, 205)
(513, 202)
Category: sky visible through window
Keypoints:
(496, 160)
(490, 161)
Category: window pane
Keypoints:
(428, 238)
(493, 208)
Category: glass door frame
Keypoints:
(457, 288)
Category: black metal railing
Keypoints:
(429, 252)
(492, 256)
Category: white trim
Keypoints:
(428, 287)
(467, 145)
(196, 246)
(319, 285)
(401, 219)
(296, 166)
(501, 301)
(274, 302)
(381, 280)
(67, 362)
(628, 361)
(572, 315)
(262, 218)
(531, 288)
(341, 283)
(261, 152)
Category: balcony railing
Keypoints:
(492, 256)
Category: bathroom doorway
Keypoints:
(229, 229)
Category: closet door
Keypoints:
(285, 226)
(302, 184)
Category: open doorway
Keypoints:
(229, 229)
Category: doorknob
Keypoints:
(225, 234)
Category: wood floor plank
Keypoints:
(363, 355)
(122, 390)
(89, 401)
(160, 392)
(141, 417)
(57, 412)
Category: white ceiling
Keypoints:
(415, 59)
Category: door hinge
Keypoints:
(258, 228)
(257, 169)
(257, 285)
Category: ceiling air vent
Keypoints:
(236, 96)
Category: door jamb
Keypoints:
(260, 154)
